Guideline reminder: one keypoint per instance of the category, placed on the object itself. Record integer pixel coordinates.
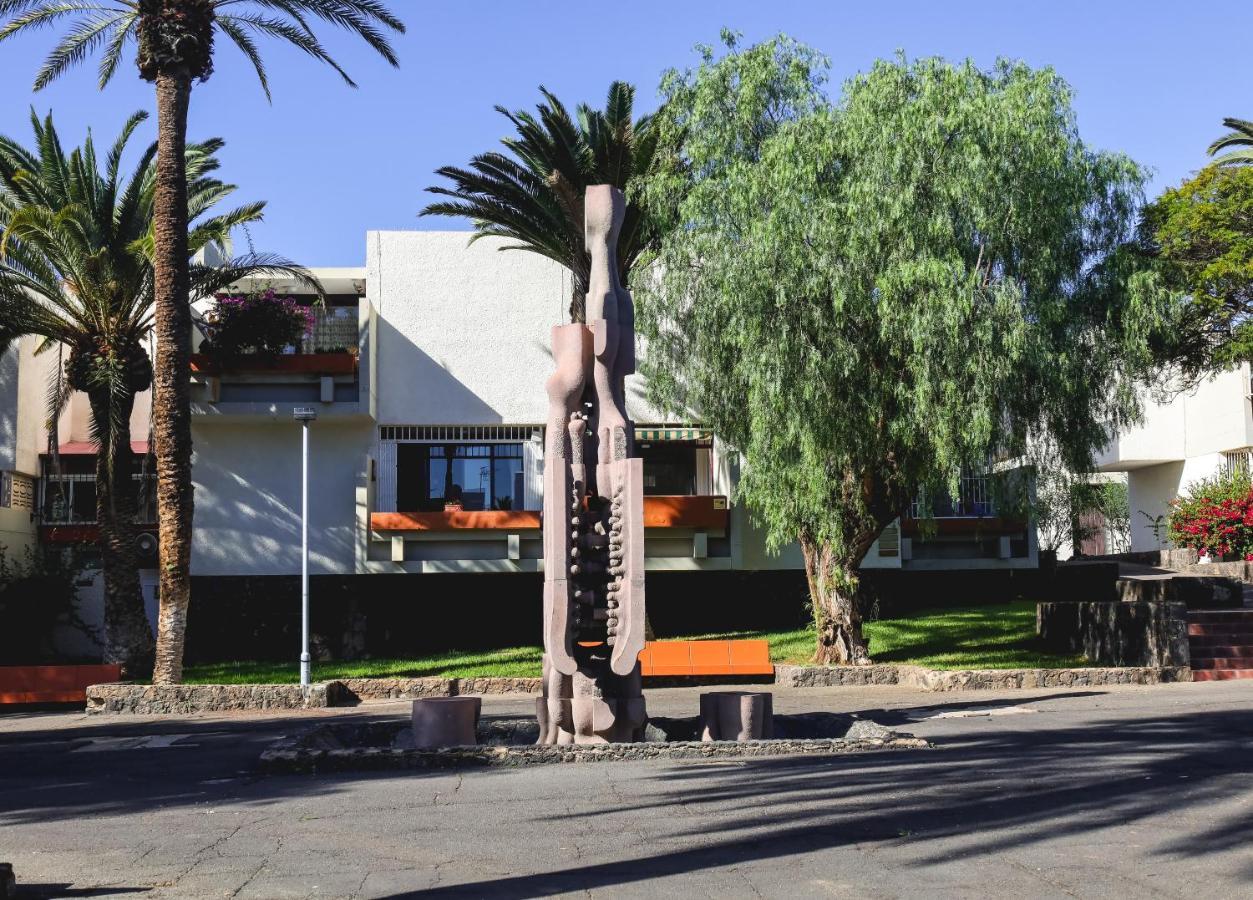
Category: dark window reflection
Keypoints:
(480, 476)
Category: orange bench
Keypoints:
(748, 657)
(52, 684)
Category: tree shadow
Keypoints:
(61, 889)
(998, 791)
(986, 790)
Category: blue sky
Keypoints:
(1153, 79)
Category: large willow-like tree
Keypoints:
(865, 297)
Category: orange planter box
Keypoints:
(457, 520)
(52, 684)
(290, 364)
(689, 658)
(659, 512)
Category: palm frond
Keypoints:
(532, 194)
(1240, 135)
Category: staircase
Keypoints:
(1221, 644)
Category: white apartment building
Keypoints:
(438, 356)
(1193, 436)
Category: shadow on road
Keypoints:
(1005, 789)
(1003, 784)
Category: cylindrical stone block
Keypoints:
(446, 721)
(736, 716)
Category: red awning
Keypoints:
(87, 448)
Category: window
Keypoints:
(974, 500)
(70, 499)
(669, 467)
(481, 476)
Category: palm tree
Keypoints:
(174, 48)
(77, 271)
(1241, 135)
(534, 198)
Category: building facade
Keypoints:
(1191, 436)
(426, 368)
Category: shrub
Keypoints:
(37, 595)
(258, 323)
(1214, 516)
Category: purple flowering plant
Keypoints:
(258, 322)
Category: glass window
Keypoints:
(480, 476)
(669, 467)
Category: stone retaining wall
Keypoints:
(1196, 591)
(1142, 633)
(1239, 570)
(145, 699)
(970, 680)
(413, 688)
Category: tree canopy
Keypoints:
(866, 297)
(1201, 235)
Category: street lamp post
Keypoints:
(304, 415)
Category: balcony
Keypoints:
(677, 530)
(332, 369)
(706, 513)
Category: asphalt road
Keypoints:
(1105, 792)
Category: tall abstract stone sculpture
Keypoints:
(593, 510)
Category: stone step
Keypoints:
(1222, 615)
(1239, 639)
(1210, 662)
(1209, 647)
(1221, 674)
(1238, 633)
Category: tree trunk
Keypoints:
(171, 403)
(833, 590)
(127, 634)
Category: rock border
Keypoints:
(287, 757)
(941, 680)
(142, 699)
(147, 699)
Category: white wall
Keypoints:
(464, 331)
(1213, 417)
(1151, 488)
(247, 480)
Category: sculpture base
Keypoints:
(736, 716)
(592, 706)
(446, 721)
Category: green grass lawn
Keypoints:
(995, 636)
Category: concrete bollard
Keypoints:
(736, 715)
(446, 721)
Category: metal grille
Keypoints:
(334, 328)
(1237, 461)
(58, 507)
(974, 500)
(19, 491)
(458, 433)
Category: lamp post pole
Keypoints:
(304, 415)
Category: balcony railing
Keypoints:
(973, 501)
(70, 499)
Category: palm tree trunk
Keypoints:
(171, 402)
(127, 634)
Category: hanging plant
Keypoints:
(258, 323)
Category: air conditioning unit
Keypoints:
(146, 547)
